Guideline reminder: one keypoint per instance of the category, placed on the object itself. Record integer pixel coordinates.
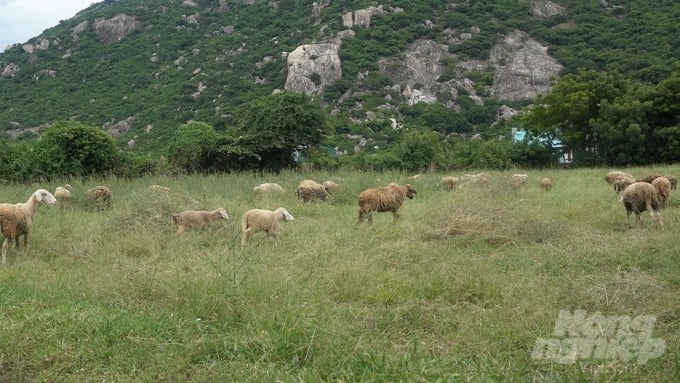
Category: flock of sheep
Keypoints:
(649, 193)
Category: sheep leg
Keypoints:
(5, 247)
(395, 215)
(246, 235)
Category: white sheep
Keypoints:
(449, 183)
(385, 199)
(255, 220)
(268, 188)
(62, 193)
(197, 218)
(159, 189)
(519, 179)
(611, 176)
(637, 198)
(331, 187)
(16, 219)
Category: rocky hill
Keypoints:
(140, 68)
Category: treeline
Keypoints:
(610, 120)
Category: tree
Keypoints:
(70, 148)
(275, 126)
(573, 105)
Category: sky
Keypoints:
(21, 20)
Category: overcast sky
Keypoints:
(22, 19)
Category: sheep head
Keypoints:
(45, 197)
(223, 213)
(286, 215)
(410, 191)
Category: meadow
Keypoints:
(460, 289)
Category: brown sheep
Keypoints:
(197, 218)
(385, 199)
(651, 177)
(16, 219)
(663, 189)
(310, 191)
(674, 181)
(546, 184)
(611, 176)
(637, 198)
(100, 196)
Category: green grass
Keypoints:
(457, 291)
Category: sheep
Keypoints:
(255, 220)
(159, 188)
(16, 219)
(622, 181)
(638, 197)
(309, 191)
(268, 188)
(673, 180)
(650, 177)
(62, 193)
(611, 176)
(385, 199)
(476, 179)
(100, 196)
(519, 179)
(331, 187)
(546, 184)
(197, 218)
(449, 183)
(663, 189)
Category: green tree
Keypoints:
(70, 148)
(275, 126)
(419, 149)
(573, 105)
(197, 147)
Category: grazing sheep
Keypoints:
(385, 199)
(331, 187)
(519, 179)
(546, 184)
(449, 183)
(663, 189)
(622, 182)
(651, 177)
(159, 188)
(476, 179)
(255, 220)
(674, 181)
(197, 218)
(268, 188)
(100, 196)
(16, 219)
(309, 191)
(62, 193)
(637, 198)
(611, 176)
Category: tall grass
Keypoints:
(458, 290)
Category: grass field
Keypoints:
(459, 290)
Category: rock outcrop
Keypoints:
(313, 66)
(115, 29)
(523, 68)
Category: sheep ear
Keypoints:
(287, 216)
(38, 196)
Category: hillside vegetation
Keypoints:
(460, 289)
(201, 60)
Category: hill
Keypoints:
(140, 68)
